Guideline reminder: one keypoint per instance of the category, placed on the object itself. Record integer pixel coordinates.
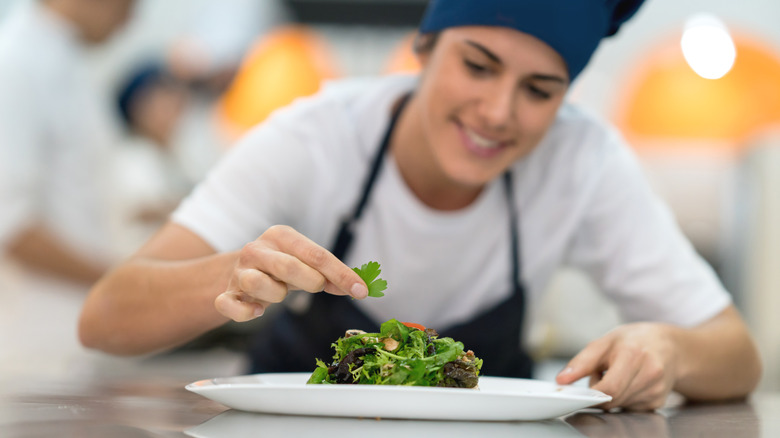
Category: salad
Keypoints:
(400, 354)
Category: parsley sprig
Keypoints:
(369, 272)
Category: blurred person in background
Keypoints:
(55, 145)
(470, 183)
(159, 159)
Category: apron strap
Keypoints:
(346, 234)
(514, 224)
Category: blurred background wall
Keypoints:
(709, 146)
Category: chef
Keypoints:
(470, 183)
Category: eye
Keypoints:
(475, 67)
(537, 93)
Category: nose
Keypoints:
(498, 107)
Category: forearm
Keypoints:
(147, 305)
(717, 360)
(37, 248)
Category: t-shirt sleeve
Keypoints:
(630, 243)
(22, 138)
(261, 181)
(265, 179)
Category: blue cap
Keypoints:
(137, 82)
(573, 28)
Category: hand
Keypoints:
(280, 260)
(634, 363)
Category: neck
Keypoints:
(63, 9)
(69, 12)
(421, 170)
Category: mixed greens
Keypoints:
(399, 354)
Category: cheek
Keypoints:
(535, 120)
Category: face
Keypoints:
(487, 97)
(156, 111)
(99, 19)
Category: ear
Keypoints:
(423, 48)
(423, 58)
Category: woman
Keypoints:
(470, 184)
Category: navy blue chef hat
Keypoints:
(573, 28)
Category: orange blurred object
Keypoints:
(403, 59)
(288, 63)
(666, 100)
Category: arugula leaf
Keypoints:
(369, 273)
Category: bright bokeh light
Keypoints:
(707, 46)
(664, 100)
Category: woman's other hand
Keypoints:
(634, 363)
(640, 364)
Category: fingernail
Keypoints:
(259, 310)
(359, 291)
(567, 370)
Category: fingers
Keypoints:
(339, 279)
(619, 380)
(239, 307)
(650, 387)
(591, 361)
(272, 273)
(630, 364)
(261, 286)
(280, 260)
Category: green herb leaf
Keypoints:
(369, 273)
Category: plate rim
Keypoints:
(206, 385)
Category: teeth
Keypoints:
(481, 141)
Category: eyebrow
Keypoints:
(493, 57)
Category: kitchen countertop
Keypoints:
(161, 407)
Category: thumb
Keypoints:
(586, 363)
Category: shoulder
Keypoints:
(360, 99)
(346, 115)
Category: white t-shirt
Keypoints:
(54, 141)
(54, 134)
(581, 197)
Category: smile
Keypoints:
(479, 145)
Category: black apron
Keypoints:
(293, 340)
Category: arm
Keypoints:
(177, 287)
(631, 245)
(37, 248)
(639, 364)
(161, 297)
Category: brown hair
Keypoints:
(425, 42)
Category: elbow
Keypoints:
(99, 328)
(94, 333)
(93, 330)
(754, 369)
(88, 335)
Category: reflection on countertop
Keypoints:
(236, 424)
(161, 407)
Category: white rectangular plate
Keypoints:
(497, 399)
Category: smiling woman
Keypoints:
(471, 183)
(487, 95)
